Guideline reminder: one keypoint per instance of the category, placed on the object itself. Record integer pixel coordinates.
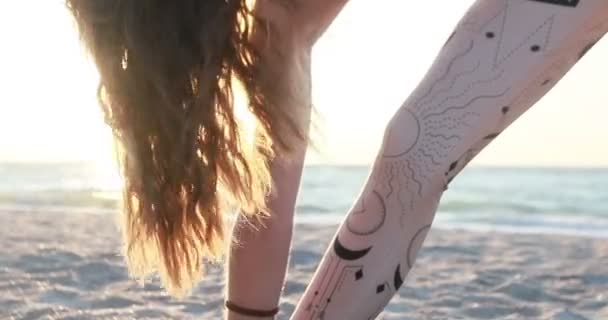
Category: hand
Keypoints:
(285, 41)
(292, 27)
(303, 20)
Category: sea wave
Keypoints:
(556, 200)
(92, 198)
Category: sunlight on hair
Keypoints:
(246, 119)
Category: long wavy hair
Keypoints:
(168, 70)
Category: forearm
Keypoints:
(502, 58)
(257, 267)
(258, 260)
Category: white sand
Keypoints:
(60, 266)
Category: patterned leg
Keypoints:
(503, 56)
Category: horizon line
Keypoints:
(352, 165)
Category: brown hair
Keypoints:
(168, 70)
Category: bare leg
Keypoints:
(503, 57)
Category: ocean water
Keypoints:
(537, 200)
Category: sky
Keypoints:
(363, 69)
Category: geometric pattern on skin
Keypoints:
(503, 56)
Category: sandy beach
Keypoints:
(67, 266)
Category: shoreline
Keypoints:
(331, 220)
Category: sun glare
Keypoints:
(247, 122)
(50, 112)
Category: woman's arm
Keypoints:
(258, 259)
(503, 56)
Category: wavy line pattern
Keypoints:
(471, 86)
(470, 102)
(453, 82)
(447, 72)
